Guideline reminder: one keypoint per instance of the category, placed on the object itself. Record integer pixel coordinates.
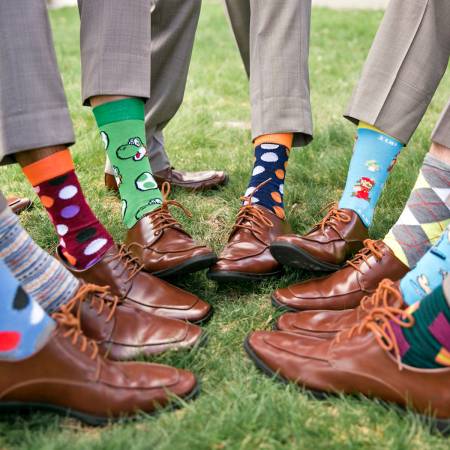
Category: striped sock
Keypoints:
(426, 344)
(41, 276)
(426, 214)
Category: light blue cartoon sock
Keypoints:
(24, 326)
(429, 272)
(373, 157)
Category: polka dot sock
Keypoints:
(24, 326)
(269, 168)
(43, 278)
(83, 239)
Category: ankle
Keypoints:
(440, 152)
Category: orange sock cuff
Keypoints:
(50, 167)
(276, 138)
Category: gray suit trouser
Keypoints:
(406, 63)
(273, 40)
(120, 54)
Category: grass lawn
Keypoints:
(239, 408)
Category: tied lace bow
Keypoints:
(249, 217)
(333, 216)
(380, 321)
(370, 248)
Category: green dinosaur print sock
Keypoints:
(122, 129)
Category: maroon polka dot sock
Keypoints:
(83, 239)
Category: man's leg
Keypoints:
(33, 107)
(427, 211)
(405, 65)
(174, 23)
(273, 39)
(117, 92)
(35, 129)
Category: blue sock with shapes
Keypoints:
(24, 326)
(429, 271)
(270, 167)
(373, 157)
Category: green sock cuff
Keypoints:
(125, 109)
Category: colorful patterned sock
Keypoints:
(271, 160)
(426, 214)
(83, 239)
(24, 326)
(122, 128)
(429, 272)
(427, 343)
(43, 277)
(374, 155)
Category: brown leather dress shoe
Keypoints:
(69, 376)
(363, 360)
(192, 181)
(247, 255)
(345, 288)
(122, 332)
(161, 245)
(327, 246)
(123, 274)
(327, 324)
(18, 204)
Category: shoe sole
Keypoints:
(194, 264)
(291, 256)
(18, 407)
(205, 319)
(282, 306)
(441, 425)
(225, 276)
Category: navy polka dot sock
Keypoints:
(270, 164)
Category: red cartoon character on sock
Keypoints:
(362, 188)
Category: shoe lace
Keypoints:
(370, 248)
(380, 322)
(332, 217)
(70, 327)
(161, 218)
(99, 297)
(249, 217)
(386, 295)
(131, 263)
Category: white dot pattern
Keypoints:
(95, 246)
(68, 192)
(62, 229)
(269, 157)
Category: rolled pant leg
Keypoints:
(115, 48)
(33, 107)
(174, 24)
(441, 133)
(278, 49)
(407, 60)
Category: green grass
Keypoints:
(239, 408)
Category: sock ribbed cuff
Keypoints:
(52, 166)
(125, 109)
